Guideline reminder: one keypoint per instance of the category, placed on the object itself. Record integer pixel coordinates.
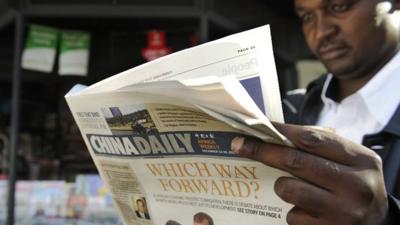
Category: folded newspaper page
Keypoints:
(160, 134)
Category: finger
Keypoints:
(297, 216)
(314, 169)
(326, 144)
(314, 200)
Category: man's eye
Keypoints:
(338, 8)
(306, 17)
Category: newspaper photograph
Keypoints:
(162, 142)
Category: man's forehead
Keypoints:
(305, 4)
(203, 222)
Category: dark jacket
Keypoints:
(146, 215)
(304, 109)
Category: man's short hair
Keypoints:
(201, 216)
(172, 222)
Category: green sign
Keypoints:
(40, 48)
(74, 53)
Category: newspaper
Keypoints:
(160, 134)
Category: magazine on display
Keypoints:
(160, 134)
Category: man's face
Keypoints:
(140, 206)
(352, 38)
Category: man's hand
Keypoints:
(338, 181)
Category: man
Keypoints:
(202, 218)
(339, 180)
(141, 211)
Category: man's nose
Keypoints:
(325, 28)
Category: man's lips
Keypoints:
(330, 52)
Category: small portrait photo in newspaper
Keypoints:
(139, 205)
(202, 218)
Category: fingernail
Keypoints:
(237, 144)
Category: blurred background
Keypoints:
(47, 46)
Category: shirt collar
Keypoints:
(381, 94)
(327, 95)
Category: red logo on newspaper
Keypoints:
(156, 45)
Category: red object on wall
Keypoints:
(156, 45)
